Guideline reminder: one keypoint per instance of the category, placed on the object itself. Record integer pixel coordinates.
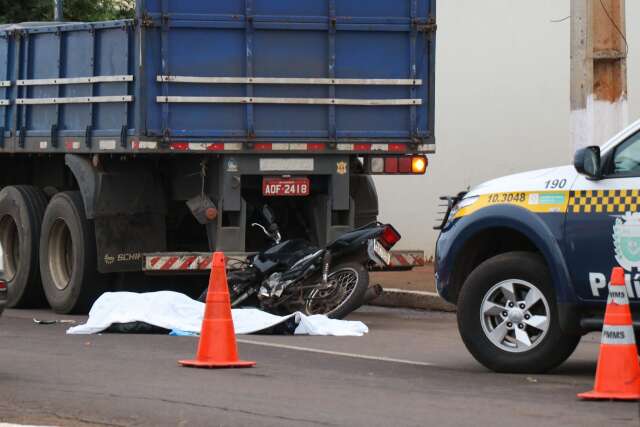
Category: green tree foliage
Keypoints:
(12, 11)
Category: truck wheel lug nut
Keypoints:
(522, 306)
(511, 304)
(509, 325)
(527, 317)
(505, 314)
(521, 326)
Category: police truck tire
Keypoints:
(68, 261)
(21, 211)
(512, 292)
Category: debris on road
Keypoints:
(176, 311)
(52, 321)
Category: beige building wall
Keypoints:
(502, 103)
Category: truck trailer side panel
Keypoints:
(245, 72)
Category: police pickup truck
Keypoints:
(526, 258)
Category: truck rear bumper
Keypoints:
(200, 262)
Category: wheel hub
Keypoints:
(516, 315)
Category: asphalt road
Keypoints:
(47, 377)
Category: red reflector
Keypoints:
(315, 147)
(389, 236)
(361, 147)
(391, 165)
(262, 147)
(180, 146)
(404, 164)
(215, 147)
(396, 148)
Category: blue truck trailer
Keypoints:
(136, 145)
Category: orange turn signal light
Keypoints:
(419, 164)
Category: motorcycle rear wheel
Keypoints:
(350, 282)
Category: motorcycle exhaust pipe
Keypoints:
(372, 293)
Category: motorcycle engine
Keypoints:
(272, 287)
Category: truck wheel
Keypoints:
(508, 317)
(21, 211)
(68, 256)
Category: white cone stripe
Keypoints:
(618, 335)
(618, 295)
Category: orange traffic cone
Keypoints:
(618, 373)
(217, 347)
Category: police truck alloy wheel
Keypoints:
(68, 256)
(508, 317)
(21, 211)
(515, 315)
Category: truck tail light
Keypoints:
(407, 165)
(3, 285)
(419, 164)
(389, 236)
(377, 165)
(391, 165)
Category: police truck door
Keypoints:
(603, 223)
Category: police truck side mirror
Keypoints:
(587, 162)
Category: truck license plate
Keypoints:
(285, 187)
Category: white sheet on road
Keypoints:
(176, 311)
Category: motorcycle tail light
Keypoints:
(389, 236)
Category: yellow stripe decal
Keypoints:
(534, 201)
(572, 202)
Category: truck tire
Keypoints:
(21, 211)
(508, 317)
(68, 261)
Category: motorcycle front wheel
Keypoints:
(348, 284)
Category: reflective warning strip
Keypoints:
(315, 147)
(178, 263)
(618, 295)
(72, 145)
(144, 145)
(407, 259)
(107, 144)
(202, 261)
(618, 335)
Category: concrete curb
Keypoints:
(421, 300)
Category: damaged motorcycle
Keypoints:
(294, 275)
